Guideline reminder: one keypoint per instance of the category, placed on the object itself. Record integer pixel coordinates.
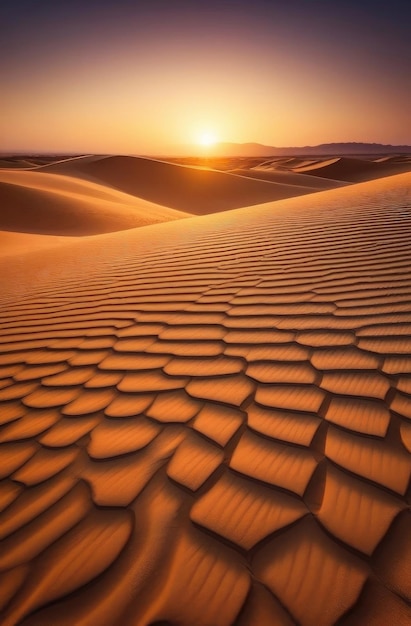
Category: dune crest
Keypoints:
(353, 169)
(290, 177)
(193, 190)
(52, 204)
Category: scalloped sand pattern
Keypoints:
(208, 422)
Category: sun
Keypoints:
(207, 138)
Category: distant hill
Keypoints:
(352, 148)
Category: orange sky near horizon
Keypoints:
(114, 79)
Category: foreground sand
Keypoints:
(207, 421)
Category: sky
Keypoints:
(166, 77)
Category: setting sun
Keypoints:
(207, 138)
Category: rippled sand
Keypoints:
(207, 421)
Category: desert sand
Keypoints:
(205, 421)
(53, 204)
(197, 191)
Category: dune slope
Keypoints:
(290, 178)
(53, 204)
(354, 170)
(207, 421)
(15, 243)
(193, 190)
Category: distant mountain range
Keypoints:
(332, 149)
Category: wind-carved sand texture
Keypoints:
(208, 422)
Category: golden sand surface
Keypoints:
(354, 169)
(208, 421)
(199, 191)
(53, 204)
(314, 171)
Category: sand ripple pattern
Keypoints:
(208, 422)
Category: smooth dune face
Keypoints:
(52, 204)
(208, 421)
(15, 244)
(196, 191)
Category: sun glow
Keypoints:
(207, 138)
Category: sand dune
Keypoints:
(207, 421)
(354, 170)
(318, 172)
(317, 183)
(188, 189)
(53, 204)
(394, 158)
(334, 169)
(14, 244)
(288, 163)
(69, 163)
(15, 163)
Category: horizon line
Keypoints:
(204, 151)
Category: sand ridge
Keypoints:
(320, 172)
(289, 177)
(190, 189)
(52, 204)
(354, 169)
(46, 201)
(207, 421)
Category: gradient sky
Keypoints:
(151, 76)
